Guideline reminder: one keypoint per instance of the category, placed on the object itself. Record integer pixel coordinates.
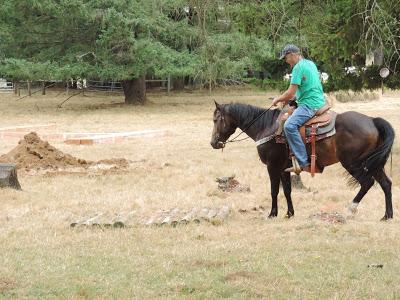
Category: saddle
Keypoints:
(323, 122)
(319, 127)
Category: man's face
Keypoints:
(290, 59)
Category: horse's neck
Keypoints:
(244, 119)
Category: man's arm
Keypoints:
(286, 96)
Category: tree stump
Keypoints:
(8, 176)
(296, 182)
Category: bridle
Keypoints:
(247, 127)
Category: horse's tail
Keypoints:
(366, 167)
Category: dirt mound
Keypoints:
(32, 153)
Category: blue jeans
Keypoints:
(292, 125)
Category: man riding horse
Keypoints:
(362, 144)
(305, 84)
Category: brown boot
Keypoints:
(294, 170)
(297, 171)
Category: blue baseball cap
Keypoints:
(289, 48)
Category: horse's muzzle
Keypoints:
(217, 145)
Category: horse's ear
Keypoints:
(217, 105)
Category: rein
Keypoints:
(247, 127)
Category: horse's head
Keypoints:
(224, 126)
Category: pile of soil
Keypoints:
(32, 153)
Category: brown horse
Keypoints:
(362, 145)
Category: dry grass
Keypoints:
(246, 257)
(362, 96)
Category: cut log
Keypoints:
(189, 216)
(88, 221)
(223, 212)
(211, 214)
(8, 176)
(122, 220)
(202, 215)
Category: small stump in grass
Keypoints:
(230, 184)
(296, 182)
(8, 176)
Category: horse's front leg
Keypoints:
(287, 189)
(274, 179)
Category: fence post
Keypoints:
(29, 88)
(169, 84)
(43, 88)
(83, 88)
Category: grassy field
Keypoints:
(246, 257)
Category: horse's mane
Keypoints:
(244, 114)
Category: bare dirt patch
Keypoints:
(329, 217)
(34, 154)
(241, 275)
(7, 284)
(209, 263)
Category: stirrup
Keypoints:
(296, 167)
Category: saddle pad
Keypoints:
(279, 135)
(280, 139)
(325, 129)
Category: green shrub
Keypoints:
(352, 82)
(393, 81)
(372, 79)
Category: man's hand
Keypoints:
(286, 96)
(276, 101)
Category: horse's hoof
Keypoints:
(272, 216)
(386, 218)
(352, 209)
(289, 215)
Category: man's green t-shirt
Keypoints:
(309, 92)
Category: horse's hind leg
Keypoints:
(287, 190)
(386, 185)
(365, 187)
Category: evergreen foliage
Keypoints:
(213, 42)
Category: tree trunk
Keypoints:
(135, 90)
(178, 83)
(8, 176)
(378, 57)
(300, 22)
(43, 88)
